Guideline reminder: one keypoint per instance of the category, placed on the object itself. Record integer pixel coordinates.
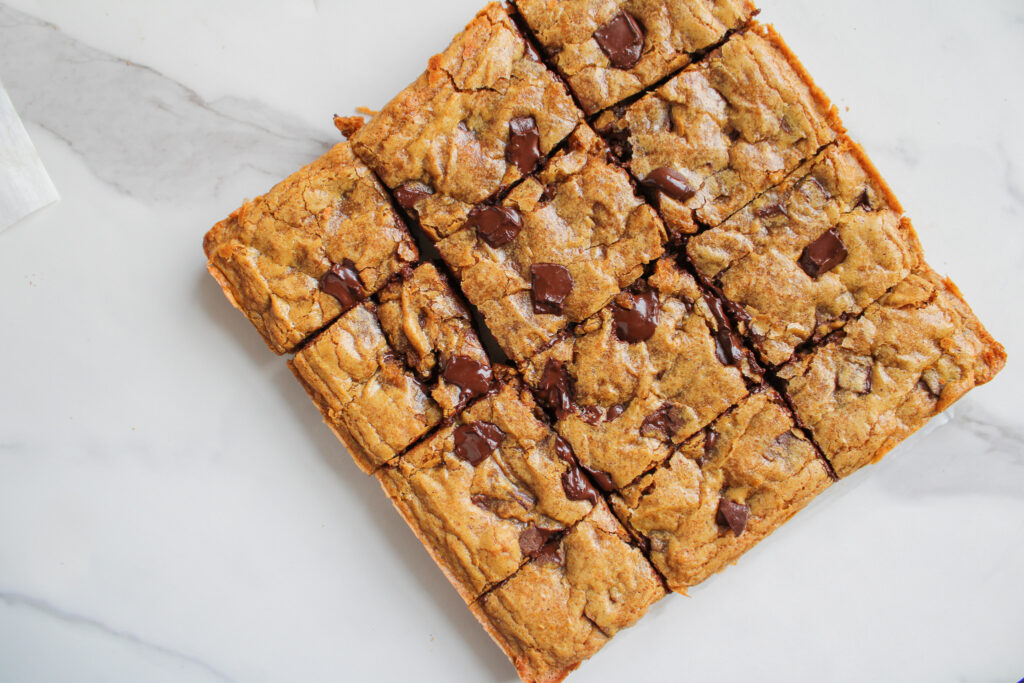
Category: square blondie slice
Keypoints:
(724, 490)
(649, 371)
(572, 598)
(487, 492)
(557, 249)
(372, 401)
(320, 241)
(723, 131)
(480, 118)
(428, 323)
(907, 358)
(809, 254)
(610, 50)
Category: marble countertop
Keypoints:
(171, 507)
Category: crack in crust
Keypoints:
(908, 357)
(270, 254)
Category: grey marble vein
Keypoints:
(16, 600)
(156, 139)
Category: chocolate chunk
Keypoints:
(602, 479)
(523, 149)
(555, 388)
(622, 39)
(496, 225)
(864, 201)
(669, 182)
(473, 377)
(552, 284)
(823, 254)
(727, 346)
(551, 553)
(614, 412)
(578, 487)
(664, 420)
(770, 211)
(410, 194)
(620, 144)
(733, 515)
(710, 439)
(637, 324)
(342, 282)
(564, 451)
(589, 414)
(532, 540)
(475, 441)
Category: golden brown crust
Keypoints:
(270, 254)
(678, 369)
(450, 130)
(579, 212)
(909, 356)
(755, 256)
(472, 517)
(560, 610)
(732, 126)
(368, 397)
(753, 456)
(673, 30)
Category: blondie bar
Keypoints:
(610, 50)
(296, 258)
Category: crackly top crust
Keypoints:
(731, 125)
(755, 255)
(368, 397)
(672, 29)
(580, 212)
(560, 609)
(679, 369)
(753, 456)
(426, 322)
(472, 518)
(906, 359)
(270, 254)
(449, 130)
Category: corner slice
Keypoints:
(910, 356)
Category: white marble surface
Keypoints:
(171, 508)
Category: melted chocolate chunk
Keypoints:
(637, 324)
(552, 285)
(602, 479)
(669, 182)
(564, 451)
(342, 282)
(732, 515)
(523, 149)
(578, 487)
(555, 388)
(664, 420)
(410, 194)
(589, 414)
(551, 553)
(823, 254)
(620, 143)
(475, 441)
(532, 540)
(727, 346)
(614, 412)
(622, 39)
(710, 439)
(473, 377)
(496, 225)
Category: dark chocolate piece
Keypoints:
(622, 39)
(733, 515)
(409, 194)
(823, 254)
(664, 420)
(496, 225)
(727, 346)
(555, 388)
(475, 441)
(523, 144)
(578, 487)
(532, 540)
(552, 285)
(342, 282)
(473, 377)
(551, 553)
(637, 324)
(614, 412)
(603, 481)
(710, 439)
(669, 182)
